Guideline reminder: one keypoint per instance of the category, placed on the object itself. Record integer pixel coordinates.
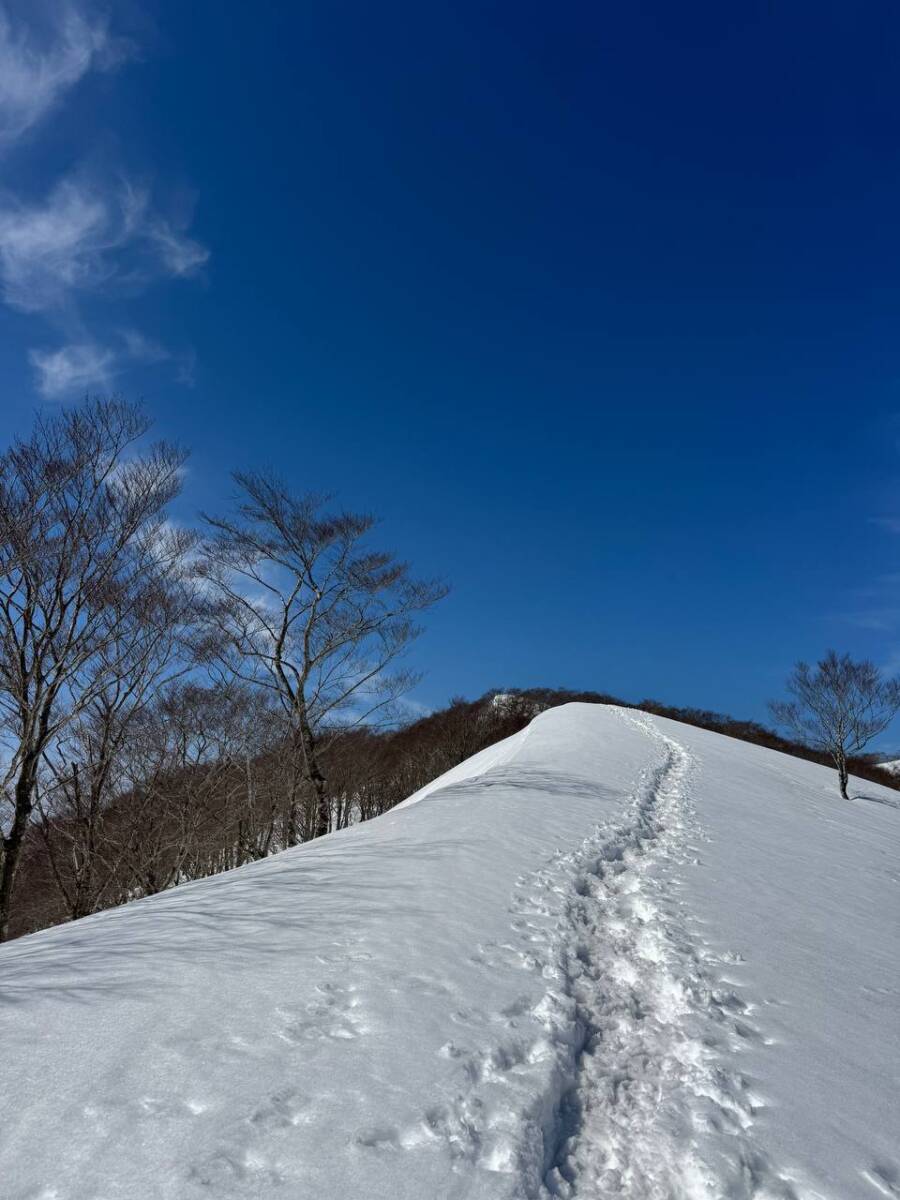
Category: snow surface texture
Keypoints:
(613, 956)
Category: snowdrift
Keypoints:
(611, 956)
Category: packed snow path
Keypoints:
(613, 956)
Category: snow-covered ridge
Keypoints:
(611, 956)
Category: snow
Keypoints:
(612, 956)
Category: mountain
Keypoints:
(612, 955)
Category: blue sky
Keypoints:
(596, 305)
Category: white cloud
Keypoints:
(80, 366)
(72, 369)
(180, 255)
(143, 349)
(90, 233)
(34, 74)
(83, 236)
(49, 250)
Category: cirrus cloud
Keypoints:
(79, 366)
(84, 235)
(35, 72)
(74, 368)
(92, 234)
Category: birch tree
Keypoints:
(838, 707)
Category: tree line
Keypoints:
(159, 686)
(220, 797)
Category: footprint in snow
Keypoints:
(335, 1016)
(283, 1110)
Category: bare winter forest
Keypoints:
(177, 702)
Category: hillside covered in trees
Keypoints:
(217, 795)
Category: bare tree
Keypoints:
(81, 523)
(313, 615)
(203, 798)
(838, 707)
(84, 768)
(177, 766)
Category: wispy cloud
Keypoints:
(91, 234)
(873, 606)
(179, 254)
(80, 239)
(36, 72)
(84, 235)
(186, 374)
(80, 366)
(48, 250)
(143, 349)
(74, 368)
(880, 620)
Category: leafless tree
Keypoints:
(84, 768)
(838, 707)
(313, 615)
(206, 788)
(81, 528)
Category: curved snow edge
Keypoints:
(480, 764)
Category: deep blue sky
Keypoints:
(597, 305)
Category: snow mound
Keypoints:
(612, 956)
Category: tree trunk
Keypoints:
(292, 823)
(314, 776)
(843, 775)
(12, 843)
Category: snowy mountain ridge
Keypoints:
(613, 955)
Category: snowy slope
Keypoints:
(614, 956)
